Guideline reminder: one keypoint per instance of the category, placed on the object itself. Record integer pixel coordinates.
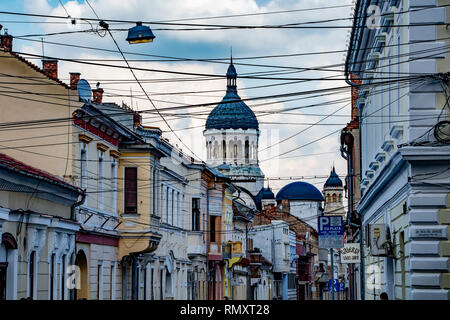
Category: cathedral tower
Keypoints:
(232, 135)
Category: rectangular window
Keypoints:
(130, 190)
(145, 283)
(52, 277)
(154, 192)
(63, 277)
(113, 187)
(291, 281)
(100, 186)
(212, 229)
(31, 273)
(99, 281)
(112, 282)
(83, 169)
(402, 263)
(195, 214)
(160, 285)
(152, 280)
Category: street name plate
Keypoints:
(439, 232)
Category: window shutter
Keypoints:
(130, 190)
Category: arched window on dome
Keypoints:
(334, 197)
(252, 151)
(328, 198)
(210, 149)
(247, 151)
(224, 150)
(340, 198)
(230, 150)
(215, 152)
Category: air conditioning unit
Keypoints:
(380, 240)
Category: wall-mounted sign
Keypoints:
(436, 232)
(351, 253)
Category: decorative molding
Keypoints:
(114, 154)
(381, 157)
(396, 131)
(369, 173)
(374, 165)
(84, 138)
(388, 145)
(102, 147)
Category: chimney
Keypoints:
(137, 119)
(74, 78)
(97, 95)
(50, 68)
(6, 42)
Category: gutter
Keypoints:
(350, 48)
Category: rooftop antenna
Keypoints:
(131, 97)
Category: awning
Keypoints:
(233, 261)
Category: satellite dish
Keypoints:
(84, 91)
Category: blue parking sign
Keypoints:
(331, 232)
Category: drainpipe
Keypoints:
(76, 204)
(73, 217)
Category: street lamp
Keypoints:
(140, 34)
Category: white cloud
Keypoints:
(244, 42)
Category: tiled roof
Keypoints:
(17, 165)
(36, 68)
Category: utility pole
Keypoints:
(332, 273)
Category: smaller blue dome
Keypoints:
(231, 72)
(267, 193)
(299, 190)
(333, 180)
(224, 167)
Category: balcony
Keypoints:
(196, 245)
(215, 251)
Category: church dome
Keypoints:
(232, 112)
(267, 194)
(299, 190)
(333, 180)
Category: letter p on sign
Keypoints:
(323, 221)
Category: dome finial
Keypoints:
(231, 55)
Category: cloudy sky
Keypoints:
(314, 159)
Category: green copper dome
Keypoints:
(232, 112)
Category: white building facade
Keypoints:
(404, 164)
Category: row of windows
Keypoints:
(334, 198)
(250, 151)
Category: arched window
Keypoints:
(334, 197)
(247, 151)
(210, 149)
(340, 198)
(328, 198)
(235, 152)
(224, 149)
(215, 150)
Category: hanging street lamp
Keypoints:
(140, 34)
